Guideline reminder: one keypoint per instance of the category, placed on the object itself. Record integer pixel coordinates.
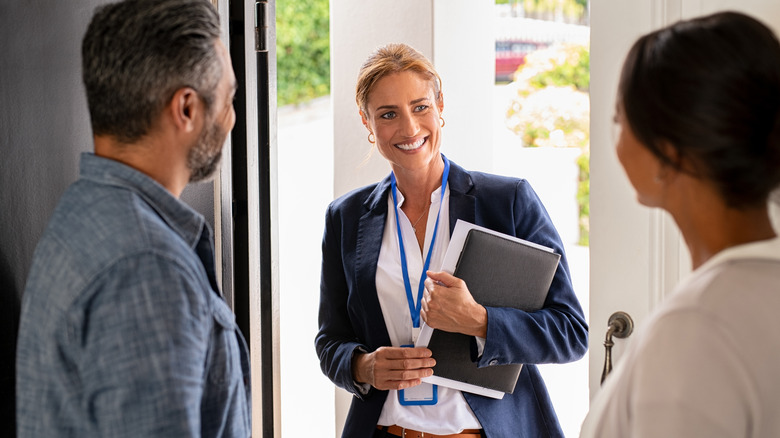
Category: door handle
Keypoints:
(620, 325)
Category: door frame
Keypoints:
(252, 207)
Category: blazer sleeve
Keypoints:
(558, 333)
(336, 341)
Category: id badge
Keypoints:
(420, 395)
(424, 394)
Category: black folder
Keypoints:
(499, 272)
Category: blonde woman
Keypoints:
(382, 241)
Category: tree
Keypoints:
(551, 105)
(568, 11)
(551, 108)
(302, 50)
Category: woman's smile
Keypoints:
(414, 145)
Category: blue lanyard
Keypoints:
(414, 310)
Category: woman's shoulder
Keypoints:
(359, 198)
(501, 185)
(485, 181)
(722, 285)
(732, 301)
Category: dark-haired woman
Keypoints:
(699, 110)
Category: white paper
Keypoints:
(466, 387)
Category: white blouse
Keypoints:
(706, 363)
(451, 414)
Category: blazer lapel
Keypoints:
(371, 227)
(462, 202)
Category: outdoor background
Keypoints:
(541, 132)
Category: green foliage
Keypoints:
(583, 196)
(569, 8)
(551, 108)
(574, 71)
(572, 11)
(302, 50)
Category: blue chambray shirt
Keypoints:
(123, 330)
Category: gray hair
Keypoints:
(137, 53)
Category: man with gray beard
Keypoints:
(124, 331)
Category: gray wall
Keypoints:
(44, 125)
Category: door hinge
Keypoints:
(261, 26)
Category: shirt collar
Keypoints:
(762, 249)
(185, 221)
(435, 196)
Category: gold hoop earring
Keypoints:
(370, 140)
(442, 121)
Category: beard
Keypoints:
(204, 157)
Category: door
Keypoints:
(250, 204)
(637, 254)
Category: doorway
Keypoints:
(315, 168)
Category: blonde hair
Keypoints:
(388, 59)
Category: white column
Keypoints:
(464, 55)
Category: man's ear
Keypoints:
(185, 108)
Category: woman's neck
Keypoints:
(707, 223)
(418, 185)
(711, 231)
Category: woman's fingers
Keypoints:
(400, 367)
(448, 305)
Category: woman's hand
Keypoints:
(393, 367)
(448, 305)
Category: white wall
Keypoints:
(464, 56)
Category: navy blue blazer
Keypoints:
(350, 316)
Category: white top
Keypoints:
(452, 413)
(707, 363)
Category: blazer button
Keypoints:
(493, 362)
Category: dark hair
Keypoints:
(137, 53)
(710, 88)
